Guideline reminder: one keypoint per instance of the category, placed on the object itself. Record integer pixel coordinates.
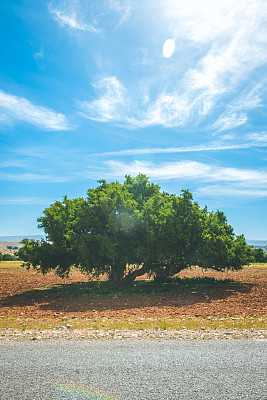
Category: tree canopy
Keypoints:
(126, 230)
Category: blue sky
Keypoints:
(98, 89)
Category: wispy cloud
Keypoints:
(88, 16)
(25, 201)
(39, 54)
(163, 171)
(46, 152)
(114, 103)
(67, 16)
(259, 140)
(209, 180)
(111, 100)
(205, 20)
(235, 191)
(21, 109)
(237, 33)
(236, 112)
(227, 41)
(14, 163)
(196, 172)
(43, 164)
(35, 177)
(168, 110)
(258, 137)
(124, 8)
(230, 121)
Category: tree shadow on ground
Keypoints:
(99, 296)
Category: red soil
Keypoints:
(246, 297)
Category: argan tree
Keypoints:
(126, 230)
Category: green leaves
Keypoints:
(125, 230)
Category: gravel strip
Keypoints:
(64, 333)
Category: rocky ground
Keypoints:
(245, 296)
(27, 294)
(64, 333)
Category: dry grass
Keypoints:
(156, 323)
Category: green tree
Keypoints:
(125, 230)
(8, 257)
(258, 254)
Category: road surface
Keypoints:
(133, 370)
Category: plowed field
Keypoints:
(230, 294)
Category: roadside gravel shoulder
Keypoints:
(62, 333)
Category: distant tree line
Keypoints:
(8, 257)
(258, 254)
(126, 230)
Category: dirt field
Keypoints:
(28, 294)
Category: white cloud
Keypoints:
(15, 163)
(259, 137)
(258, 140)
(25, 201)
(218, 45)
(34, 177)
(21, 109)
(67, 16)
(4, 119)
(236, 32)
(83, 15)
(189, 170)
(114, 103)
(250, 100)
(168, 110)
(227, 39)
(123, 8)
(224, 190)
(166, 170)
(230, 121)
(204, 20)
(109, 105)
(236, 112)
(225, 66)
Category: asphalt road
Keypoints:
(133, 370)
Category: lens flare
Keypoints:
(77, 392)
(168, 48)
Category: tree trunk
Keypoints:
(116, 274)
(165, 274)
(129, 278)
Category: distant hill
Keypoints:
(7, 241)
(257, 243)
(11, 244)
(19, 238)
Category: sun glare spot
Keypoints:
(168, 48)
